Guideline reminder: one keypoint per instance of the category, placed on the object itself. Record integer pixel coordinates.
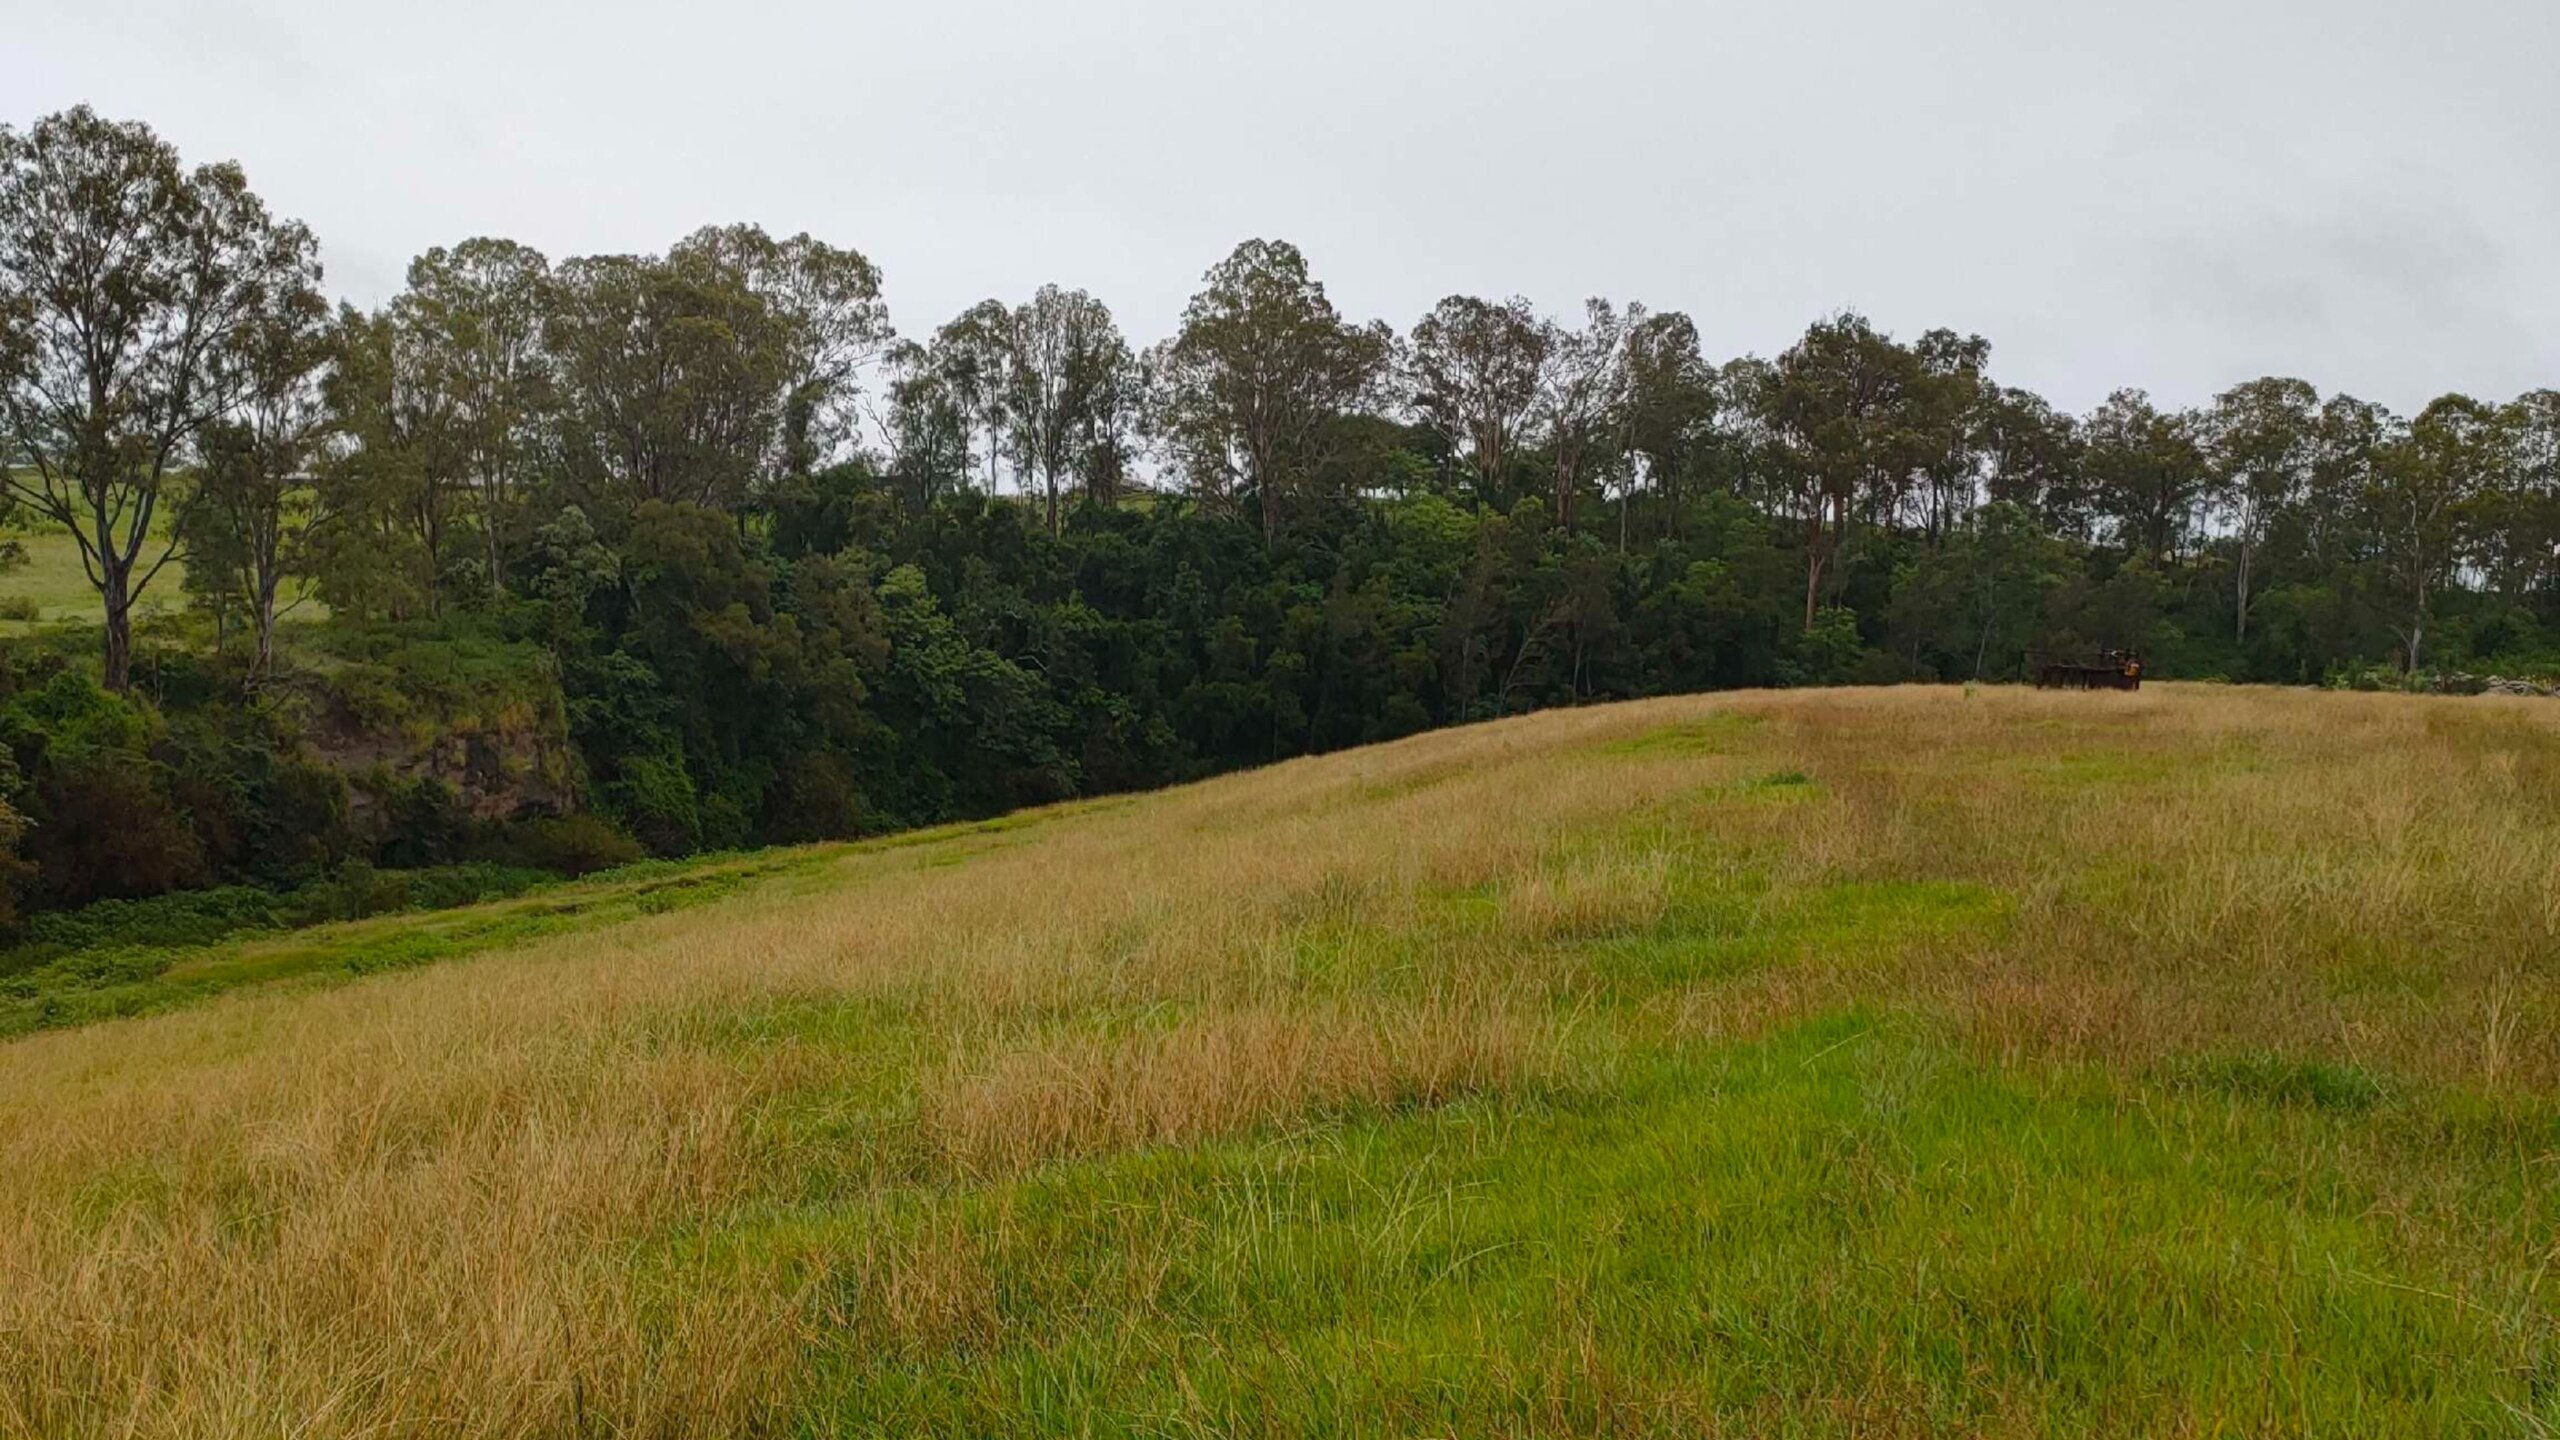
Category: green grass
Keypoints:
(52, 587)
(1719, 733)
(108, 981)
(1900, 1064)
(1844, 1221)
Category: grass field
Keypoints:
(52, 586)
(1898, 1062)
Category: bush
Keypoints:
(359, 890)
(106, 828)
(190, 917)
(816, 798)
(657, 800)
(568, 845)
(1826, 654)
(424, 822)
(16, 875)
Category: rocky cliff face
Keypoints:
(486, 721)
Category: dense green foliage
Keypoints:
(614, 564)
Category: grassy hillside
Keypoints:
(1827, 1063)
(52, 585)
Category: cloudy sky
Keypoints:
(2177, 193)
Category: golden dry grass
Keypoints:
(515, 1195)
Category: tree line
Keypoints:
(795, 574)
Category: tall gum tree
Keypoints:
(972, 358)
(2146, 473)
(126, 281)
(1582, 399)
(1250, 390)
(1839, 413)
(834, 327)
(1061, 374)
(1672, 404)
(250, 524)
(674, 377)
(2259, 438)
(474, 318)
(1476, 370)
(2426, 485)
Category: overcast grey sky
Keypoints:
(2176, 194)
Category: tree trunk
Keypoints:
(266, 658)
(1817, 553)
(2243, 597)
(119, 643)
(263, 617)
(1267, 494)
(430, 532)
(2417, 627)
(489, 526)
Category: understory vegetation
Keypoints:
(1829, 1062)
(554, 567)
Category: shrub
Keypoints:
(16, 875)
(189, 917)
(568, 845)
(302, 818)
(106, 828)
(424, 822)
(657, 801)
(816, 798)
(366, 891)
(1826, 654)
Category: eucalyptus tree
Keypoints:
(928, 427)
(1946, 410)
(2146, 473)
(256, 508)
(835, 328)
(675, 376)
(2260, 440)
(973, 358)
(1839, 407)
(1476, 371)
(2327, 532)
(1112, 388)
(471, 325)
(1582, 410)
(1250, 392)
(1063, 363)
(2031, 459)
(447, 392)
(2421, 500)
(127, 282)
(1672, 402)
(2519, 543)
(398, 482)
